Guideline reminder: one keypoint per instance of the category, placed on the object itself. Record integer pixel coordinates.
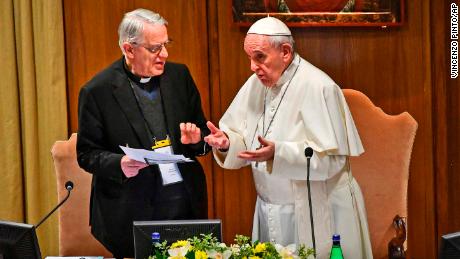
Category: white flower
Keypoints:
(214, 254)
(286, 252)
(178, 252)
(227, 254)
(235, 249)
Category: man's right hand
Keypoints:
(131, 167)
(217, 139)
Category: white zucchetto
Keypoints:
(269, 26)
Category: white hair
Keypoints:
(132, 25)
(277, 40)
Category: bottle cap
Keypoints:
(335, 237)
(155, 235)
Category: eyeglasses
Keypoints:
(156, 48)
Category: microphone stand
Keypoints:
(69, 187)
(308, 154)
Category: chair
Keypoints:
(74, 231)
(382, 171)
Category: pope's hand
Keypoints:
(264, 153)
(131, 167)
(190, 133)
(217, 139)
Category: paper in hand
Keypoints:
(152, 157)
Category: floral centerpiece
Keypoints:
(206, 246)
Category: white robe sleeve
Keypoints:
(294, 166)
(229, 159)
(328, 121)
(330, 132)
(234, 123)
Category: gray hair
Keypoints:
(132, 25)
(277, 40)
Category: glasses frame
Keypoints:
(156, 48)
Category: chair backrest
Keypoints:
(383, 170)
(75, 237)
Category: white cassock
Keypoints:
(314, 113)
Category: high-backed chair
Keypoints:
(382, 171)
(75, 237)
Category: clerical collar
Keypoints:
(135, 78)
(145, 79)
(290, 70)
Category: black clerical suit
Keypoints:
(111, 115)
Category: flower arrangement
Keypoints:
(206, 246)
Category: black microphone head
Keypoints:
(69, 185)
(308, 152)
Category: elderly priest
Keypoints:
(286, 106)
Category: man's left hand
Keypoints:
(264, 153)
(190, 133)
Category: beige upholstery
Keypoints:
(74, 231)
(383, 170)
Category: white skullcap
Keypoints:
(269, 26)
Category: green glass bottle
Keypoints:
(336, 250)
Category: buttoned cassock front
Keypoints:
(314, 113)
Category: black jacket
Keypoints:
(109, 116)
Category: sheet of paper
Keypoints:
(169, 172)
(143, 155)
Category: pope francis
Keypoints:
(285, 106)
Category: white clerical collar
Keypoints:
(145, 79)
(290, 70)
(134, 77)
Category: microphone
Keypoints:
(69, 187)
(309, 153)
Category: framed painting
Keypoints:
(379, 13)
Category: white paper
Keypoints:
(153, 157)
(169, 172)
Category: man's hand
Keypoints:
(217, 139)
(190, 133)
(131, 167)
(264, 153)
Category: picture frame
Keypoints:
(300, 13)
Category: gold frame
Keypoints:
(379, 13)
